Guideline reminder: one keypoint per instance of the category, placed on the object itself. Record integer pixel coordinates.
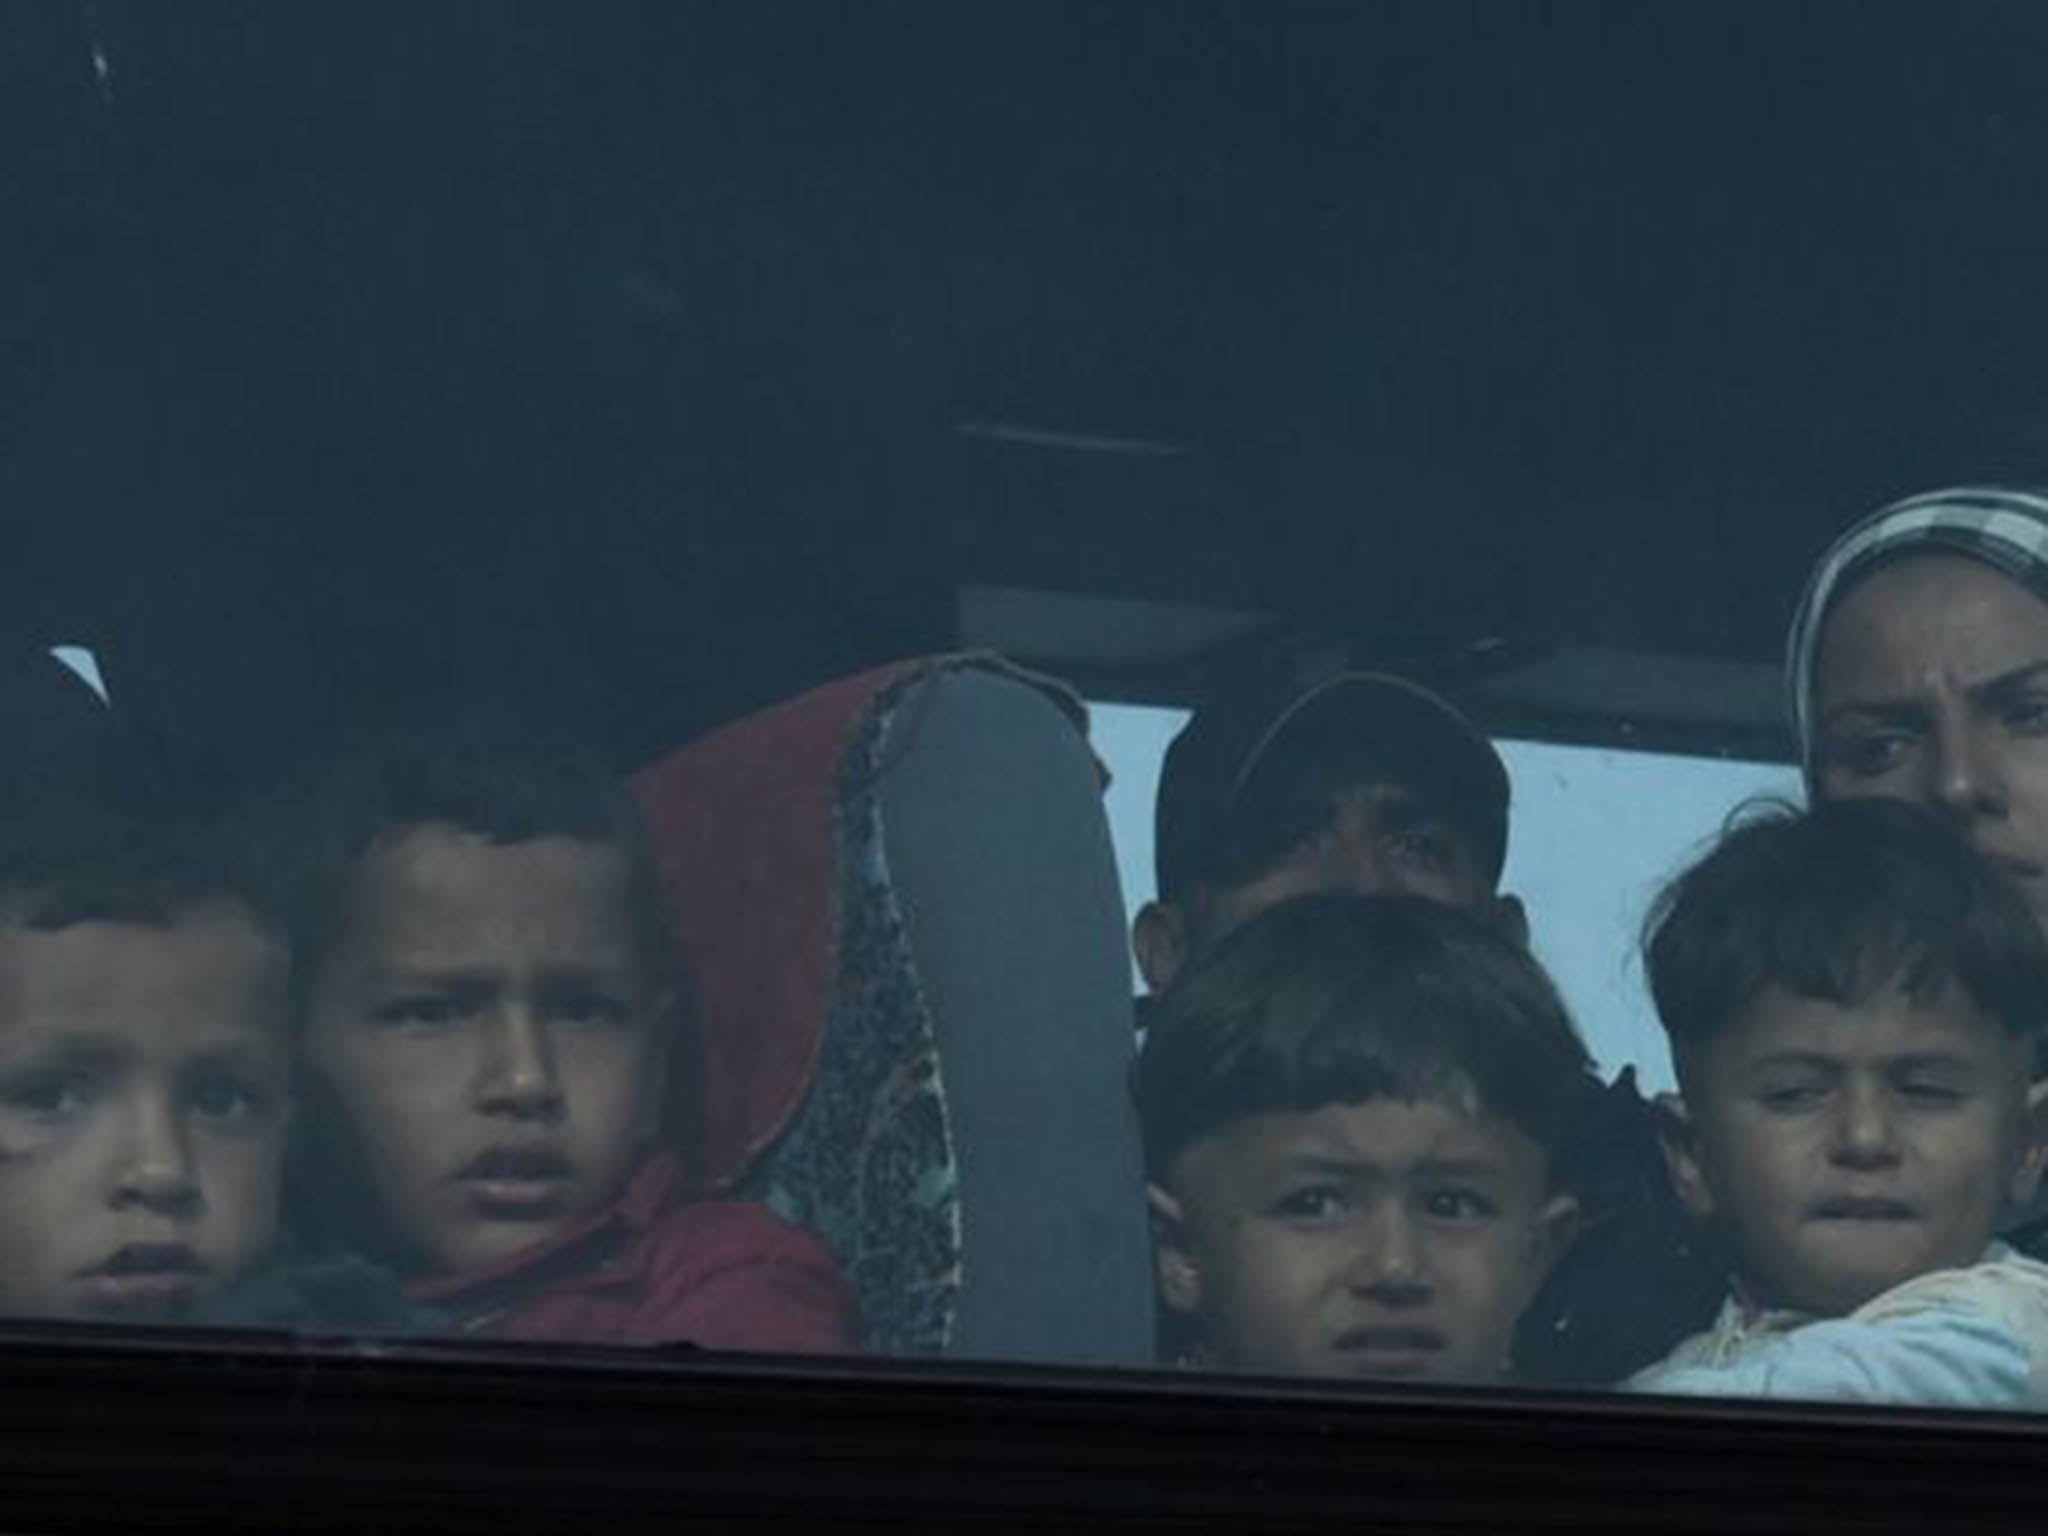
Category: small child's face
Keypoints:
(1387, 1240)
(143, 1105)
(1844, 1150)
(491, 1032)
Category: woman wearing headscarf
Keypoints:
(1918, 669)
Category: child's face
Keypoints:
(1380, 1240)
(492, 1034)
(1843, 1150)
(143, 1104)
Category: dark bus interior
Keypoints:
(635, 365)
(1536, 344)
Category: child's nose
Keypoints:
(519, 1076)
(1390, 1262)
(1865, 1135)
(155, 1168)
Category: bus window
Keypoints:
(1596, 832)
(567, 554)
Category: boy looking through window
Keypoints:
(1350, 1110)
(144, 1091)
(1366, 783)
(495, 1041)
(1852, 996)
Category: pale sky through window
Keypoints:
(85, 664)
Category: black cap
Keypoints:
(1421, 737)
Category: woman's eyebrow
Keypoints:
(1892, 711)
(2010, 681)
(1907, 708)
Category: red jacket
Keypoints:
(654, 1268)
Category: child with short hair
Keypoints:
(144, 1079)
(494, 1040)
(1852, 996)
(1351, 1109)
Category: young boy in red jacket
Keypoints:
(495, 1055)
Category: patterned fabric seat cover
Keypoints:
(824, 1095)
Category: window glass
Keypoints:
(546, 683)
(80, 660)
(1596, 833)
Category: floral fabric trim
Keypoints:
(868, 1161)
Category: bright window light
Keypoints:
(82, 661)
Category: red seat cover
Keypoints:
(742, 824)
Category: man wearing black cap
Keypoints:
(1365, 782)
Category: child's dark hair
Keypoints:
(68, 858)
(1836, 903)
(1342, 999)
(502, 791)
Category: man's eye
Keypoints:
(53, 1093)
(1319, 1203)
(424, 1008)
(2028, 714)
(1456, 1203)
(1424, 845)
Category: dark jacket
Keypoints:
(332, 1296)
(1641, 1276)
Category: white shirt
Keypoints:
(1955, 1338)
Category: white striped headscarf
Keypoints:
(2005, 528)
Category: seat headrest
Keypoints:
(743, 828)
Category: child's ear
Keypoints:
(1160, 940)
(2033, 1158)
(1173, 1258)
(1680, 1140)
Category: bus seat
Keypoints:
(899, 905)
